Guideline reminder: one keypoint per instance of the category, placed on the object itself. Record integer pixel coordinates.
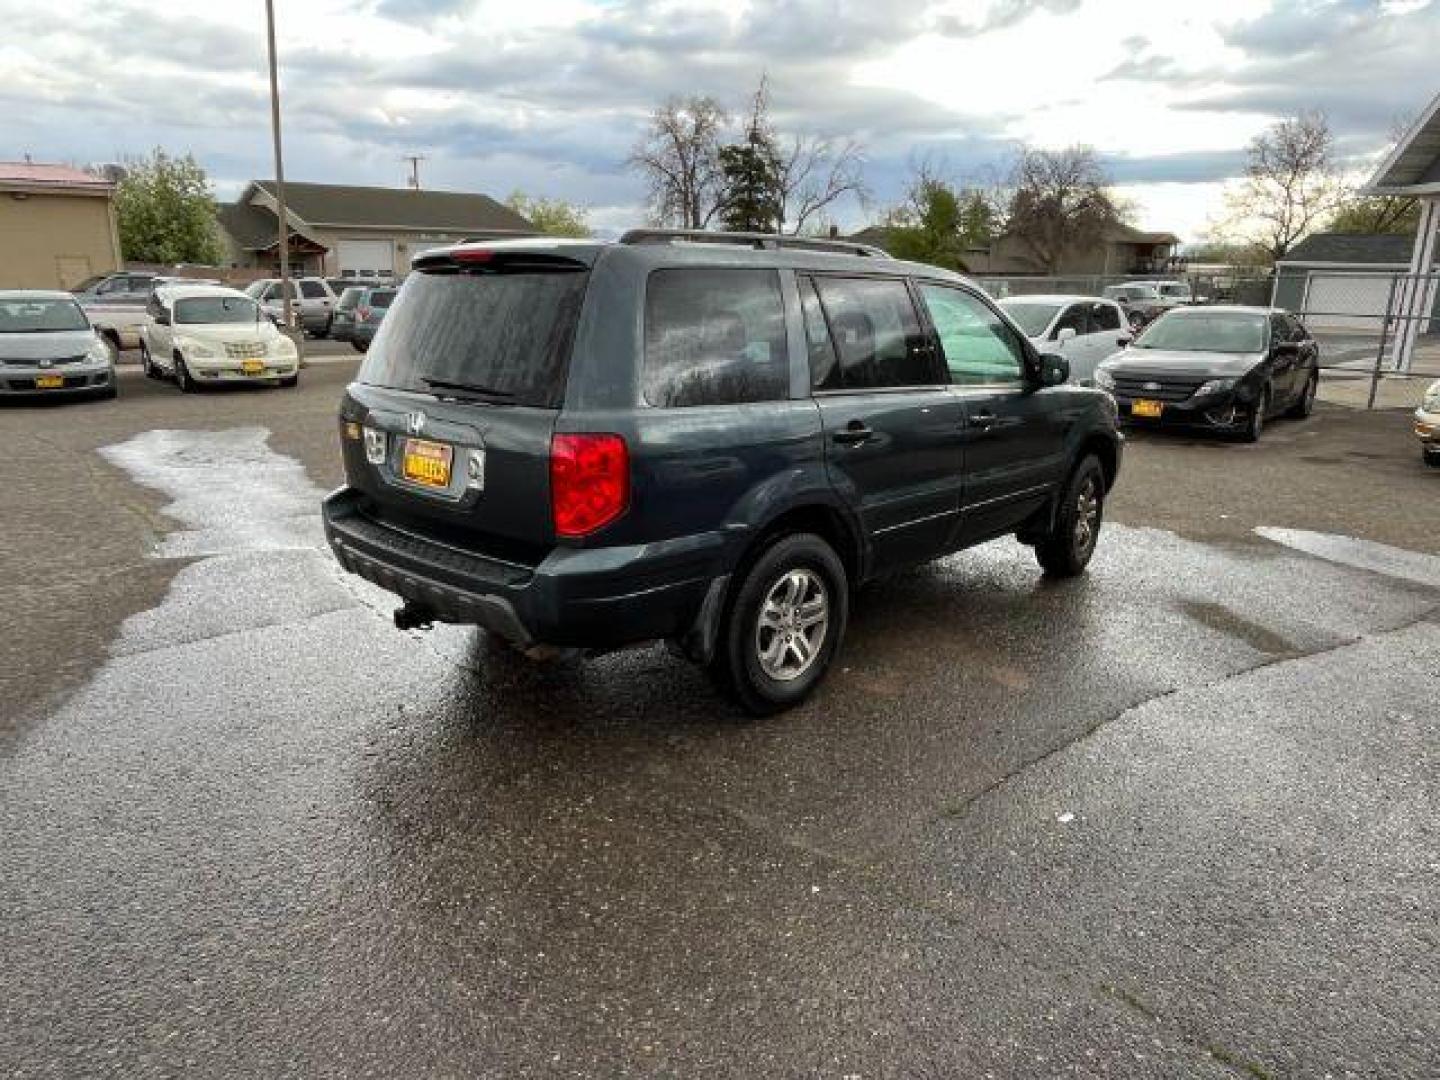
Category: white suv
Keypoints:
(315, 300)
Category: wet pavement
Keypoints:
(1175, 818)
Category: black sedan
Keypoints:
(1229, 369)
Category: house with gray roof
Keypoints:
(341, 230)
(1343, 281)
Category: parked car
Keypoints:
(1083, 329)
(1141, 302)
(115, 305)
(1177, 294)
(314, 299)
(342, 315)
(47, 346)
(1427, 425)
(368, 315)
(590, 445)
(1226, 368)
(338, 285)
(204, 334)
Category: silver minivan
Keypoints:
(47, 346)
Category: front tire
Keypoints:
(784, 626)
(290, 380)
(183, 379)
(1255, 420)
(1432, 457)
(1306, 405)
(1066, 550)
(358, 346)
(147, 365)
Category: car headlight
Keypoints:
(98, 353)
(1215, 386)
(1104, 380)
(283, 347)
(1432, 399)
(195, 347)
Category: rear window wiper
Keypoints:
(466, 388)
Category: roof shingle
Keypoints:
(398, 208)
(1363, 249)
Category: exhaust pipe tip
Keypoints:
(412, 616)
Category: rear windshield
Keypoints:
(508, 333)
(40, 316)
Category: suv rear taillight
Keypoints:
(589, 481)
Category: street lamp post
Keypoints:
(286, 287)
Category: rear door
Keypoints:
(1106, 333)
(1014, 433)
(460, 392)
(893, 431)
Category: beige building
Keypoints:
(337, 230)
(57, 226)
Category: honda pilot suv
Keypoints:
(711, 439)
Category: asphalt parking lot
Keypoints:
(1178, 817)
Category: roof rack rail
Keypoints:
(758, 241)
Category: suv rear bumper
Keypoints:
(594, 598)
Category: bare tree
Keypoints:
(1291, 185)
(1060, 202)
(813, 173)
(679, 156)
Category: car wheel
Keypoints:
(784, 625)
(358, 346)
(1306, 403)
(110, 392)
(1255, 418)
(146, 364)
(290, 380)
(1432, 457)
(1066, 550)
(183, 379)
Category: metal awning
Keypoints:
(1413, 166)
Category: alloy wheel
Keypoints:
(791, 627)
(1087, 516)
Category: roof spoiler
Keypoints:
(756, 241)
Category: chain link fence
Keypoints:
(1218, 285)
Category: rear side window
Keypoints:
(506, 334)
(1076, 318)
(877, 334)
(714, 336)
(979, 347)
(1105, 317)
(823, 360)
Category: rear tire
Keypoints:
(784, 625)
(146, 364)
(357, 346)
(1432, 457)
(290, 380)
(1066, 549)
(1306, 405)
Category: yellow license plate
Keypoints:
(1151, 410)
(49, 382)
(425, 462)
(252, 367)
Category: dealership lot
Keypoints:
(1176, 817)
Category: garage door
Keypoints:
(1347, 301)
(365, 258)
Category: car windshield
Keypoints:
(1032, 316)
(1206, 331)
(216, 309)
(40, 316)
(503, 334)
(89, 283)
(349, 298)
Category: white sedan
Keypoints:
(202, 334)
(1083, 329)
(1427, 424)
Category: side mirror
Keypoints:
(1054, 369)
(1064, 334)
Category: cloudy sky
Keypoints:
(550, 95)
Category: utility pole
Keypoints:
(414, 160)
(287, 287)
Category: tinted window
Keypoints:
(978, 346)
(1076, 317)
(312, 290)
(876, 332)
(817, 336)
(1104, 317)
(382, 298)
(714, 337)
(505, 331)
